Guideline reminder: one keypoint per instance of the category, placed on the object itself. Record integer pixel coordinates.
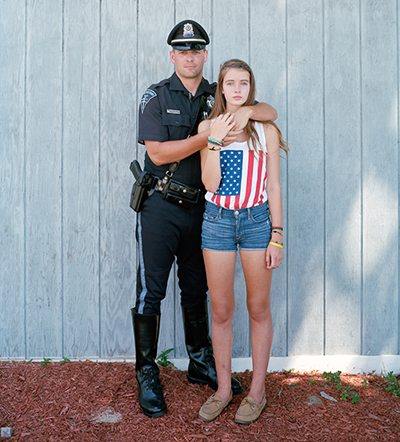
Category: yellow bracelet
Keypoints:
(276, 244)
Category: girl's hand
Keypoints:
(221, 126)
(273, 257)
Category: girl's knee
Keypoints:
(259, 312)
(223, 313)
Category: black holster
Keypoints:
(143, 184)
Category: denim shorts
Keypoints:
(229, 230)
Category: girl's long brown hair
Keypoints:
(220, 102)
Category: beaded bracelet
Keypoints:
(276, 244)
(214, 141)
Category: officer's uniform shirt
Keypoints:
(168, 112)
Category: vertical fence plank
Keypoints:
(118, 106)
(305, 179)
(154, 65)
(43, 169)
(268, 25)
(343, 178)
(398, 163)
(226, 45)
(200, 12)
(81, 179)
(380, 177)
(230, 32)
(12, 70)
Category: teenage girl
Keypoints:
(243, 212)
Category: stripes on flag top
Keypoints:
(243, 176)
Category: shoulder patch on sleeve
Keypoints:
(146, 97)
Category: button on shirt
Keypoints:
(168, 111)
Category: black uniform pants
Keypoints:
(165, 230)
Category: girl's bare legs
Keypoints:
(220, 268)
(258, 284)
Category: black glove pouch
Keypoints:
(181, 194)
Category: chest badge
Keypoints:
(210, 101)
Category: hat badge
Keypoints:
(188, 30)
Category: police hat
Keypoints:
(188, 35)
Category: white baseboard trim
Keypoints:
(354, 364)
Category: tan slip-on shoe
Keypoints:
(213, 407)
(249, 410)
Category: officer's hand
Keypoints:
(242, 116)
(231, 137)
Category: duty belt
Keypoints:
(178, 193)
(173, 191)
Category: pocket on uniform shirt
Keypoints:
(175, 120)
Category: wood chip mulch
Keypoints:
(90, 401)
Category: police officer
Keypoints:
(169, 224)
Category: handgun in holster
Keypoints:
(141, 187)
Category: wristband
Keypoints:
(214, 141)
(276, 244)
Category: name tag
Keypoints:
(173, 111)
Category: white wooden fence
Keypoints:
(71, 76)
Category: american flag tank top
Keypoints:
(243, 175)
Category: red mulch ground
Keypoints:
(59, 402)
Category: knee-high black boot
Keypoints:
(198, 345)
(151, 398)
